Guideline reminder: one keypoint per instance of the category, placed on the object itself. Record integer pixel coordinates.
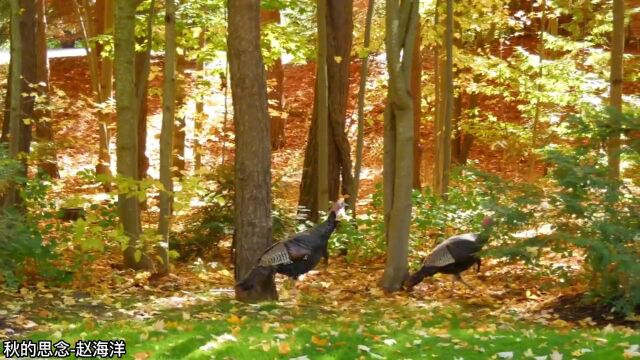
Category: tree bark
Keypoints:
(322, 100)
(127, 124)
(143, 66)
(104, 11)
(615, 93)
(445, 111)
(536, 116)
(6, 118)
(401, 25)
(416, 94)
(11, 197)
(275, 86)
(179, 134)
(340, 177)
(200, 115)
(23, 76)
(43, 117)
(364, 71)
(253, 150)
(166, 134)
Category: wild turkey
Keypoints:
(297, 255)
(453, 256)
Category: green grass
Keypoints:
(371, 329)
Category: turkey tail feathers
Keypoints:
(416, 278)
(255, 275)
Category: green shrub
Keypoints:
(595, 213)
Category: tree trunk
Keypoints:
(443, 149)
(127, 124)
(143, 66)
(179, 134)
(166, 135)
(23, 74)
(6, 118)
(322, 100)
(536, 116)
(340, 177)
(615, 94)
(401, 25)
(200, 115)
(104, 11)
(11, 197)
(456, 142)
(364, 71)
(44, 133)
(416, 94)
(275, 85)
(253, 155)
(437, 109)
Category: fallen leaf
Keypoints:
(234, 319)
(284, 348)
(505, 355)
(555, 355)
(318, 341)
(389, 342)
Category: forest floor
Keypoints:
(339, 312)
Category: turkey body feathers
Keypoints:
(453, 256)
(294, 256)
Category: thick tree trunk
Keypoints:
(340, 177)
(401, 24)
(364, 71)
(127, 124)
(275, 85)
(416, 94)
(615, 94)
(253, 150)
(23, 75)
(166, 135)
(11, 197)
(44, 132)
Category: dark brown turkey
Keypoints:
(297, 255)
(453, 256)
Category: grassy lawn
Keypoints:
(205, 326)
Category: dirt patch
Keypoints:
(575, 308)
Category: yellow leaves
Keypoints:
(531, 295)
(284, 348)
(338, 59)
(318, 341)
(265, 346)
(490, 327)
(234, 319)
(142, 355)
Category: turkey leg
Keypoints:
(294, 290)
(459, 278)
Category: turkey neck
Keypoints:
(326, 228)
(483, 236)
